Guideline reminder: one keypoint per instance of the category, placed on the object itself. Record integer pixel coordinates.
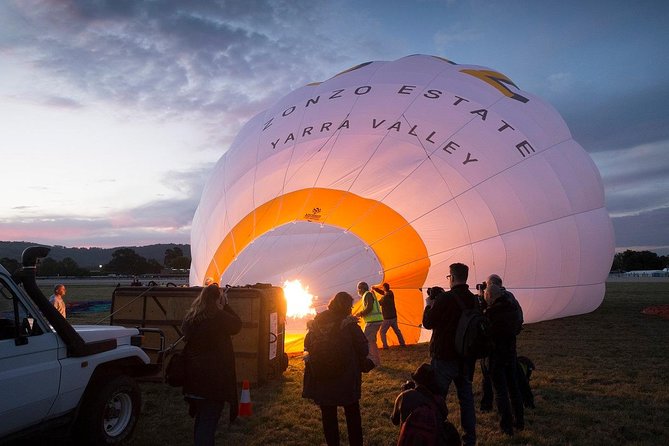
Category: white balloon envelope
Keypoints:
(390, 172)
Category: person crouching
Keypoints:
(422, 413)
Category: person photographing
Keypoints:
(211, 379)
(441, 315)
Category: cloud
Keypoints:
(173, 56)
(643, 231)
(560, 82)
(211, 65)
(615, 119)
(160, 222)
(60, 102)
(635, 178)
(444, 41)
(190, 182)
(162, 215)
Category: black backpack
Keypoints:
(426, 426)
(175, 372)
(326, 357)
(524, 370)
(472, 336)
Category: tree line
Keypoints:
(124, 261)
(638, 261)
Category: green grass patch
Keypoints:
(82, 292)
(600, 380)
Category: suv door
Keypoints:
(29, 367)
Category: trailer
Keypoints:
(259, 346)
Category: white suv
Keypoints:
(53, 374)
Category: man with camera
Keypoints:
(503, 314)
(486, 380)
(441, 315)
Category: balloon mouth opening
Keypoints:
(310, 261)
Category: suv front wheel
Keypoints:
(110, 412)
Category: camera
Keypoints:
(481, 286)
(434, 291)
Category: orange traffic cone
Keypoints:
(245, 406)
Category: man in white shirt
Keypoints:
(56, 298)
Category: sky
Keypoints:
(113, 113)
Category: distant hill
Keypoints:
(90, 258)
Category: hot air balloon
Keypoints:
(391, 171)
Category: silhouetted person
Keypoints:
(503, 316)
(486, 379)
(389, 313)
(210, 362)
(332, 388)
(441, 315)
(371, 314)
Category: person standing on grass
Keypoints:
(371, 314)
(211, 380)
(342, 384)
(441, 315)
(389, 313)
(56, 299)
(503, 316)
(486, 378)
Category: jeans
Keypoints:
(486, 385)
(371, 329)
(207, 415)
(505, 382)
(353, 424)
(460, 373)
(385, 325)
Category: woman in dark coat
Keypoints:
(210, 361)
(342, 388)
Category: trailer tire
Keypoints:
(110, 412)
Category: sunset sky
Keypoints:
(113, 113)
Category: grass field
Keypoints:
(601, 379)
(81, 293)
